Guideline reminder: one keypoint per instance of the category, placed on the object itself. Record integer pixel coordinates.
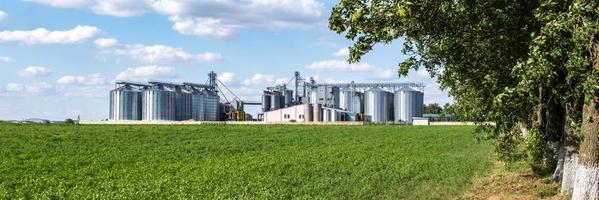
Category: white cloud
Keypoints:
(384, 73)
(226, 77)
(64, 3)
(145, 73)
(44, 36)
(94, 79)
(35, 71)
(369, 71)
(2, 15)
(340, 66)
(6, 59)
(210, 18)
(106, 42)
(14, 87)
(34, 88)
(342, 52)
(264, 80)
(204, 27)
(153, 53)
(119, 8)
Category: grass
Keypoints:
(513, 181)
(240, 162)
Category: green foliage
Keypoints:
(539, 154)
(433, 108)
(69, 121)
(498, 59)
(238, 162)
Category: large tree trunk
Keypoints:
(572, 117)
(586, 185)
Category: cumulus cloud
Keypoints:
(342, 52)
(372, 71)
(2, 15)
(4, 59)
(210, 18)
(145, 73)
(119, 8)
(33, 88)
(106, 42)
(264, 80)
(35, 71)
(226, 77)
(44, 36)
(205, 27)
(94, 79)
(153, 53)
(340, 66)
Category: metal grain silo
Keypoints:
(314, 97)
(376, 105)
(198, 105)
(308, 112)
(125, 103)
(350, 100)
(288, 98)
(408, 104)
(275, 101)
(266, 102)
(346, 99)
(317, 113)
(390, 106)
(183, 103)
(212, 104)
(326, 115)
(158, 103)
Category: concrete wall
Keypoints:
(293, 112)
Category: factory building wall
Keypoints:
(293, 113)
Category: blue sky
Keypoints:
(60, 58)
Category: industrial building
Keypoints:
(307, 101)
(370, 102)
(161, 101)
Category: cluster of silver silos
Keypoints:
(376, 105)
(163, 102)
(275, 99)
(399, 106)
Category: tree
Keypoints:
(69, 121)
(433, 108)
(521, 64)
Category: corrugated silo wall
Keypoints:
(158, 104)
(111, 107)
(211, 107)
(419, 104)
(125, 104)
(198, 105)
(183, 108)
(390, 107)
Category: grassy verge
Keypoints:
(240, 162)
(514, 181)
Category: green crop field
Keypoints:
(238, 162)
